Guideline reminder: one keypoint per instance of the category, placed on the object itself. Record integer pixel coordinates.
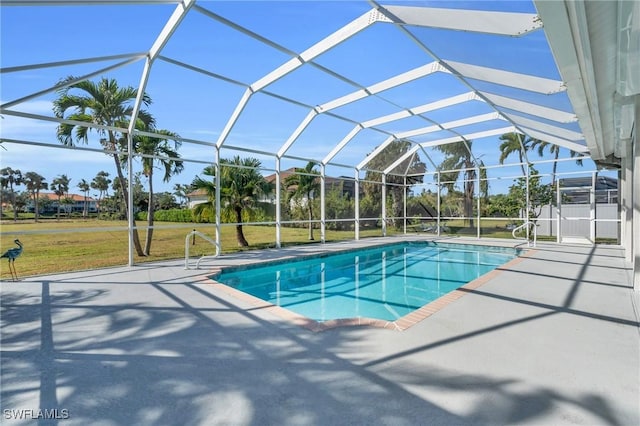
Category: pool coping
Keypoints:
(403, 323)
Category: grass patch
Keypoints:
(73, 245)
(53, 246)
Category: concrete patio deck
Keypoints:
(551, 340)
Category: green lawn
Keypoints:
(70, 245)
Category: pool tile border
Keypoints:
(400, 324)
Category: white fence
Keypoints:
(576, 221)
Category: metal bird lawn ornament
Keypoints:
(11, 255)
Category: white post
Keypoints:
(404, 188)
(130, 213)
(384, 205)
(323, 212)
(626, 201)
(528, 202)
(478, 202)
(356, 206)
(592, 209)
(278, 207)
(438, 210)
(558, 211)
(635, 231)
(218, 203)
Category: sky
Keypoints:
(197, 106)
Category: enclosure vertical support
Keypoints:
(439, 214)
(323, 211)
(278, 207)
(528, 201)
(384, 205)
(356, 209)
(478, 202)
(626, 201)
(592, 209)
(218, 203)
(635, 182)
(130, 213)
(404, 202)
(558, 212)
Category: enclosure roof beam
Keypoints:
(487, 22)
(469, 136)
(234, 117)
(537, 134)
(319, 48)
(83, 2)
(342, 143)
(138, 55)
(521, 81)
(375, 152)
(402, 158)
(451, 124)
(294, 136)
(70, 82)
(531, 109)
(359, 94)
(442, 103)
(169, 28)
(546, 128)
(294, 63)
(389, 83)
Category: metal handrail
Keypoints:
(186, 248)
(535, 233)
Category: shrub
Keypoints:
(170, 215)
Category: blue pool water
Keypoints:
(385, 282)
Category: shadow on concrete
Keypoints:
(180, 355)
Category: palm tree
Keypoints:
(84, 186)
(459, 158)
(106, 104)
(34, 183)
(160, 150)
(412, 166)
(8, 179)
(510, 144)
(180, 191)
(554, 149)
(304, 184)
(240, 187)
(101, 184)
(60, 187)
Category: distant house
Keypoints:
(576, 190)
(348, 188)
(348, 185)
(70, 203)
(194, 198)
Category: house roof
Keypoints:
(74, 197)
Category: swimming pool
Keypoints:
(384, 282)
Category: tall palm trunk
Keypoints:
(150, 213)
(242, 241)
(469, 189)
(13, 205)
(468, 202)
(310, 210)
(555, 168)
(128, 209)
(36, 197)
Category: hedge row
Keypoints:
(172, 215)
